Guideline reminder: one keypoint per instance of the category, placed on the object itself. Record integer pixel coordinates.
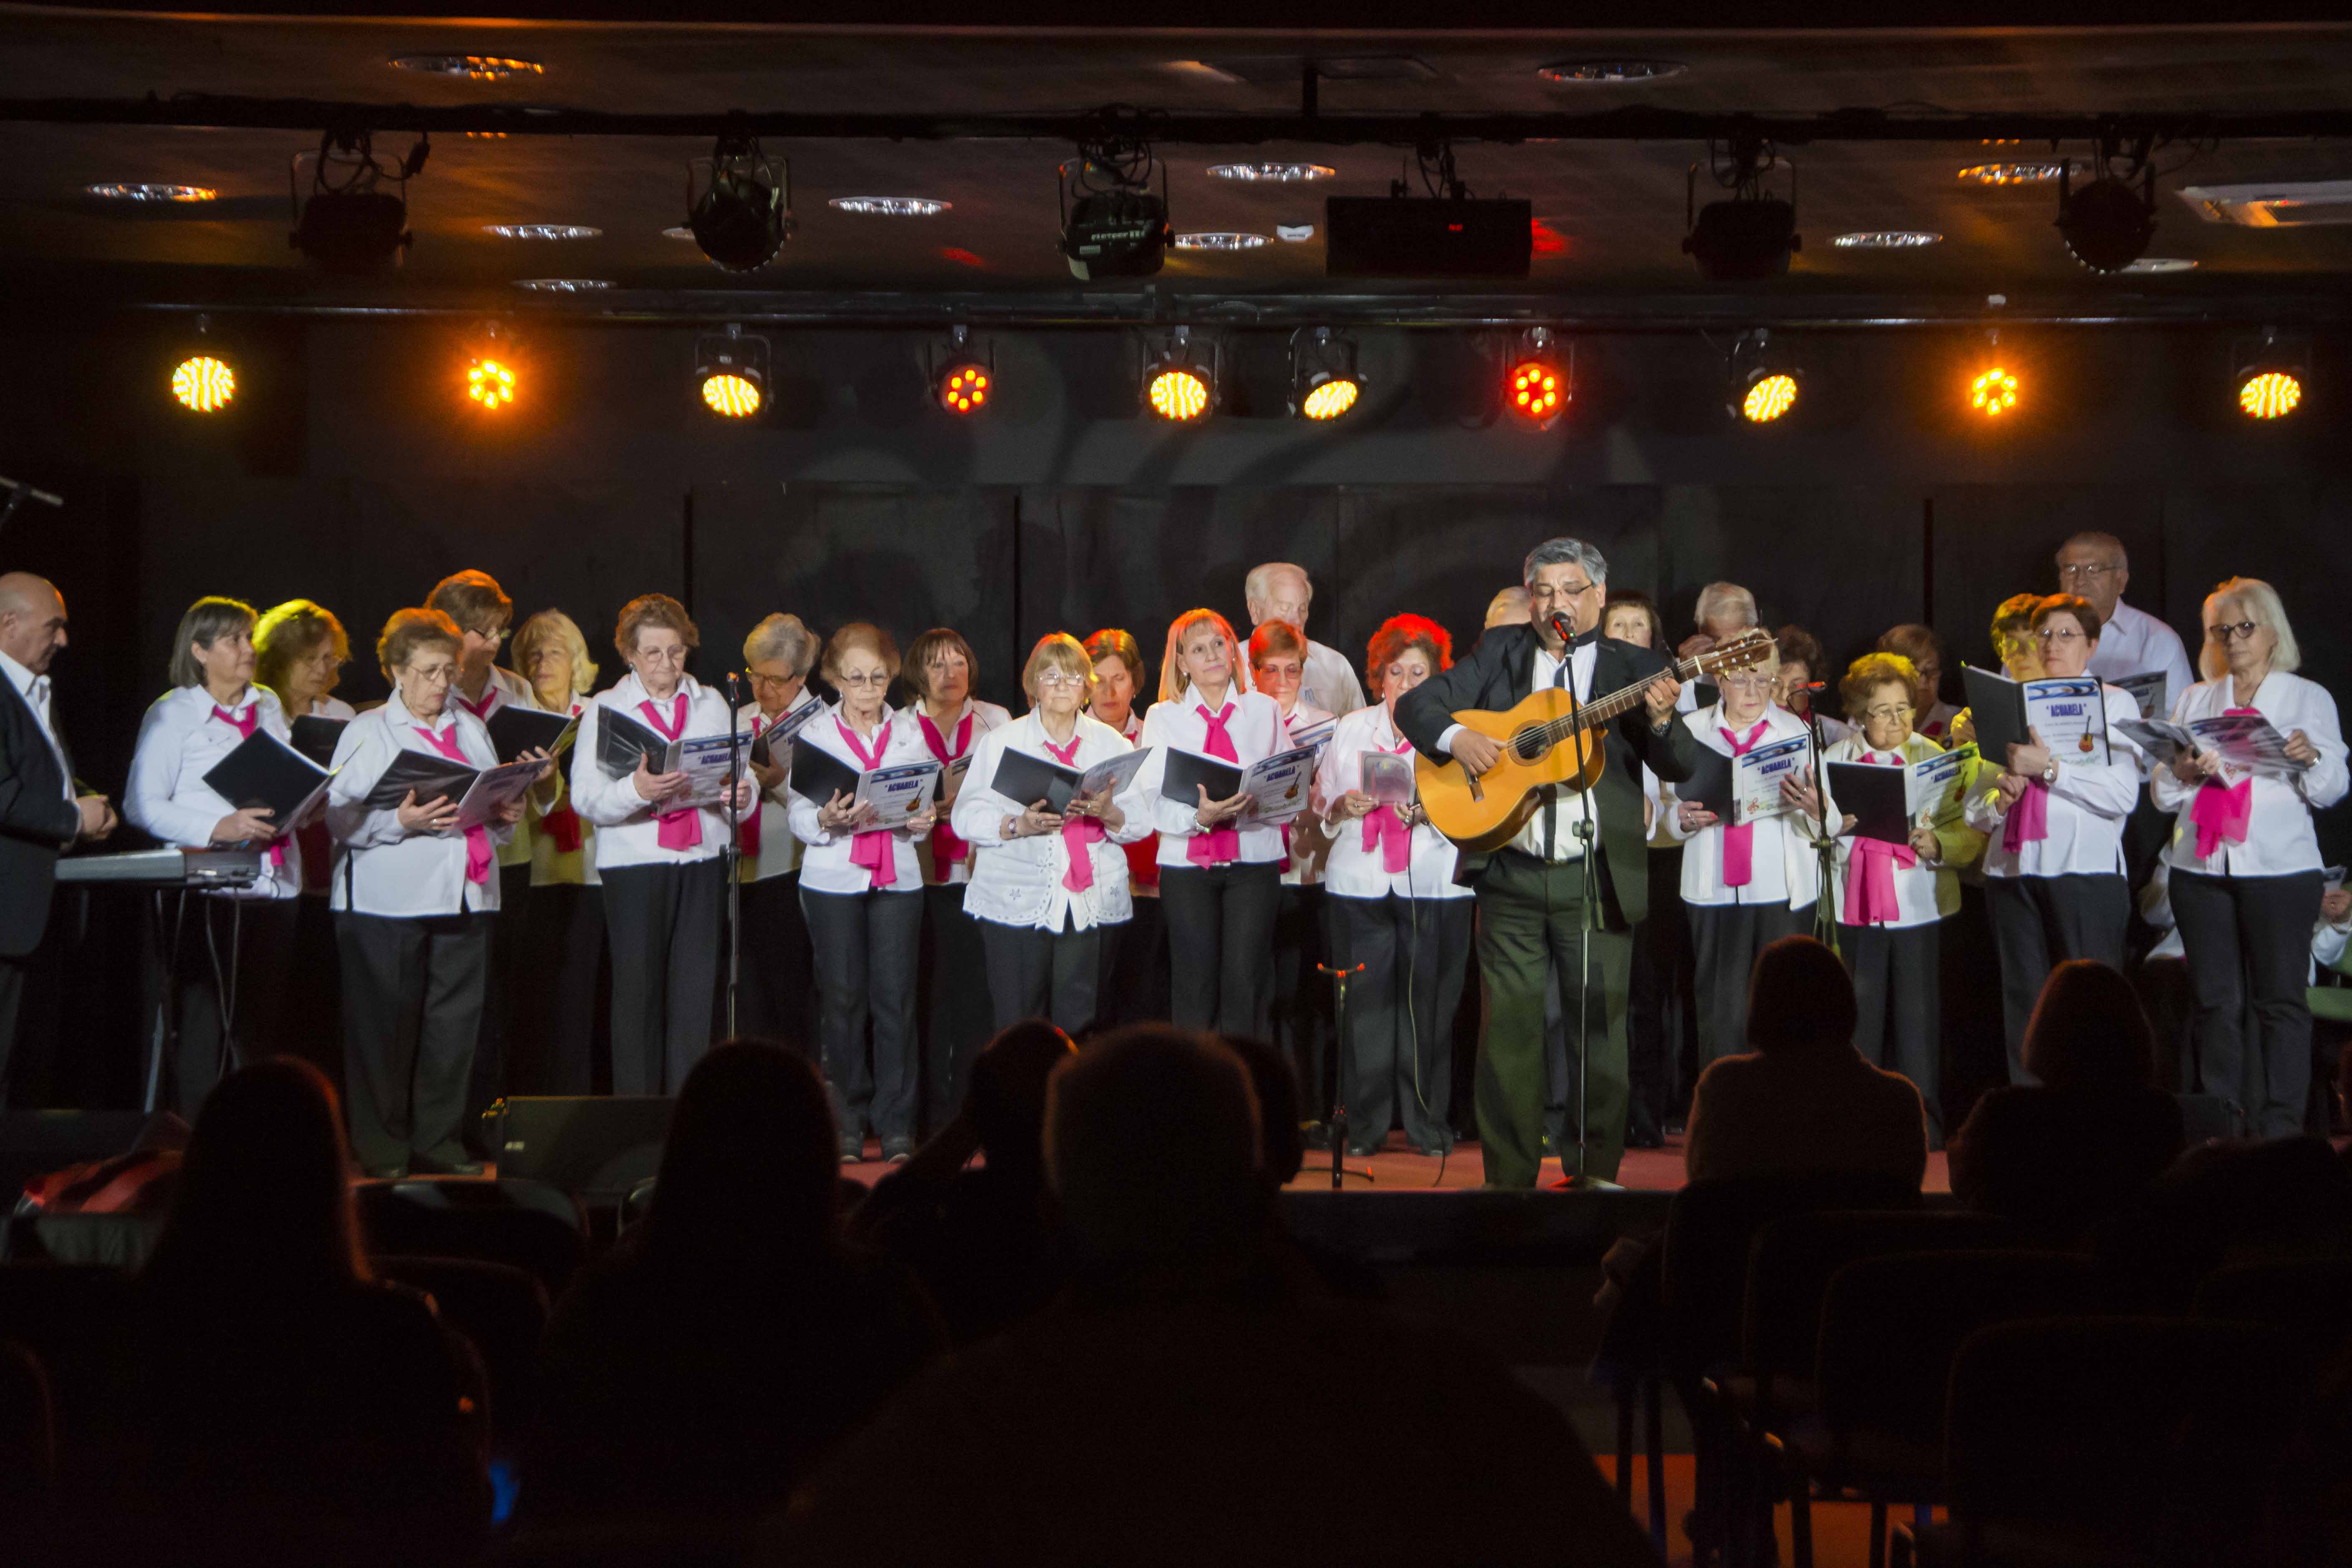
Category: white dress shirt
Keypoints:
(1568, 810)
(1354, 871)
(1326, 679)
(780, 852)
(628, 833)
(1924, 892)
(1018, 881)
(551, 865)
(1148, 851)
(331, 708)
(504, 689)
(1256, 728)
(2280, 838)
(824, 863)
(984, 717)
(381, 868)
(2087, 807)
(1781, 865)
(35, 690)
(180, 741)
(2134, 642)
(1308, 849)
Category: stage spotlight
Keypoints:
(493, 369)
(1993, 391)
(2268, 374)
(1112, 224)
(203, 381)
(963, 380)
(731, 373)
(1180, 378)
(743, 214)
(1536, 386)
(349, 224)
(1764, 379)
(2104, 225)
(1324, 383)
(1749, 236)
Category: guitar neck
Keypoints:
(1602, 710)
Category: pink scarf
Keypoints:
(563, 823)
(873, 851)
(245, 728)
(1385, 830)
(947, 846)
(682, 828)
(477, 837)
(1080, 833)
(2220, 812)
(480, 710)
(1740, 842)
(1219, 846)
(1870, 871)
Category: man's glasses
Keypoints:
(2077, 574)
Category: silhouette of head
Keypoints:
(749, 1173)
(264, 1186)
(2089, 1031)
(1151, 1145)
(1006, 1099)
(1800, 997)
(1281, 1150)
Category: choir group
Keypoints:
(912, 877)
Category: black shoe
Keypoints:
(1435, 1148)
(1645, 1138)
(853, 1150)
(897, 1151)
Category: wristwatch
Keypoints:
(2050, 773)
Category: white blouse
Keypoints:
(179, 742)
(384, 868)
(1310, 849)
(984, 717)
(1254, 724)
(1782, 865)
(2280, 838)
(825, 864)
(1018, 881)
(780, 852)
(505, 688)
(1353, 870)
(2087, 809)
(628, 833)
(1925, 892)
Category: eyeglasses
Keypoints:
(758, 679)
(2243, 631)
(1564, 590)
(662, 656)
(1060, 678)
(879, 678)
(1900, 711)
(2059, 634)
(498, 635)
(434, 675)
(2076, 574)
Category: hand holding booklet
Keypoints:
(1756, 777)
(264, 772)
(2069, 712)
(1277, 785)
(2247, 742)
(1889, 800)
(1387, 778)
(897, 793)
(515, 729)
(1025, 778)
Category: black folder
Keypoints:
(1877, 797)
(1189, 772)
(1025, 780)
(622, 743)
(264, 772)
(1709, 786)
(515, 729)
(818, 776)
(1997, 708)
(431, 777)
(316, 737)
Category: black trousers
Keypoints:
(2040, 922)
(225, 956)
(952, 990)
(866, 946)
(1038, 974)
(1725, 940)
(1136, 989)
(1221, 945)
(2248, 939)
(1661, 1007)
(1299, 1012)
(502, 996)
(564, 1025)
(412, 992)
(777, 997)
(663, 922)
(310, 1023)
(1898, 999)
(1400, 1046)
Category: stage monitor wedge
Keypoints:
(1418, 237)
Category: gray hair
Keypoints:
(207, 621)
(2260, 603)
(1719, 599)
(785, 638)
(1564, 551)
(1254, 586)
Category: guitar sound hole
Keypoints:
(1527, 746)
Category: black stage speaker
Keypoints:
(1417, 237)
(599, 1146)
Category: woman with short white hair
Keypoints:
(778, 996)
(2245, 876)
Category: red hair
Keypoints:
(1398, 633)
(1275, 637)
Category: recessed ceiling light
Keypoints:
(1581, 72)
(1293, 233)
(132, 191)
(2024, 174)
(1219, 240)
(474, 67)
(2161, 263)
(1887, 239)
(1280, 173)
(563, 285)
(541, 230)
(891, 207)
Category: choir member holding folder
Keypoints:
(1394, 907)
(412, 897)
(1136, 987)
(649, 769)
(2053, 817)
(1279, 653)
(217, 943)
(1049, 876)
(1220, 866)
(299, 650)
(563, 1012)
(862, 883)
(2245, 877)
(1895, 881)
(777, 998)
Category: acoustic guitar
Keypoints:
(1548, 740)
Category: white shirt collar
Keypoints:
(23, 678)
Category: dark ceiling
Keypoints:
(1611, 213)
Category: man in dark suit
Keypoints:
(1531, 892)
(40, 814)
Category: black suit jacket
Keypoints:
(1498, 675)
(36, 820)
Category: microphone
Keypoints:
(1813, 686)
(1562, 629)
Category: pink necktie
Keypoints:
(2223, 812)
(245, 728)
(477, 837)
(1080, 833)
(947, 846)
(1385, 829)
(1219, 846)
(489, 699)
(873, 852)
(750, 826)
(682, 828)
(1740, 842)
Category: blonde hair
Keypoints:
(1865, 675)
(1172, 678)
(285, 633)
(555, 627)
(1057, 650)
(2262, 602)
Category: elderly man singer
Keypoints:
(2131, 641)
(1278, 591)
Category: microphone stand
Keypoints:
(1825, 925)
(1337, 1127)
(734, 852)
(1585, 927)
